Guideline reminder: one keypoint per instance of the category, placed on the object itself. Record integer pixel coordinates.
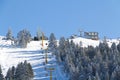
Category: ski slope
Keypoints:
(35, 54)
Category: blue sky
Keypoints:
(62, 17)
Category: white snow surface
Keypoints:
(86, 42)
(11, 56)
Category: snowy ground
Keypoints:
(35, 54)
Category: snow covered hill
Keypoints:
(34, 54)
(11, 56)
(89, 42)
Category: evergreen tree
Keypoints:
(62, 47)
(13, 72)
(89, 78)
(89, 63)
(91, 52)
(1, 75)
(24, 71)
(118, 47)
(107, 76)
(103, 47)
(97, 76)
(9, 74)
(19, 74)
(24, 37)
(52, 42)
(113, 76)
(114, 48)
(9, 35)
(30, 70)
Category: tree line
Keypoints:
(23, 71)
(24, 37)
(87, 63)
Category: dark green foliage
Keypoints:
(30, 70)
(118, 47)
(103, 47)
(52, 42)
(90, 63)
(13, 71)
(113, 46)
(0, 69)
(23, 71)
(1, 75)
(62, 48)
(19, 74)
(91, 52)
(10, 73)
(37, 39)
(52, 37)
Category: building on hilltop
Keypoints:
(91, 35)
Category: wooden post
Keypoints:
(51, 69)
(50, 75)
(46, 61)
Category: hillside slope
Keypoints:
(35, 54)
